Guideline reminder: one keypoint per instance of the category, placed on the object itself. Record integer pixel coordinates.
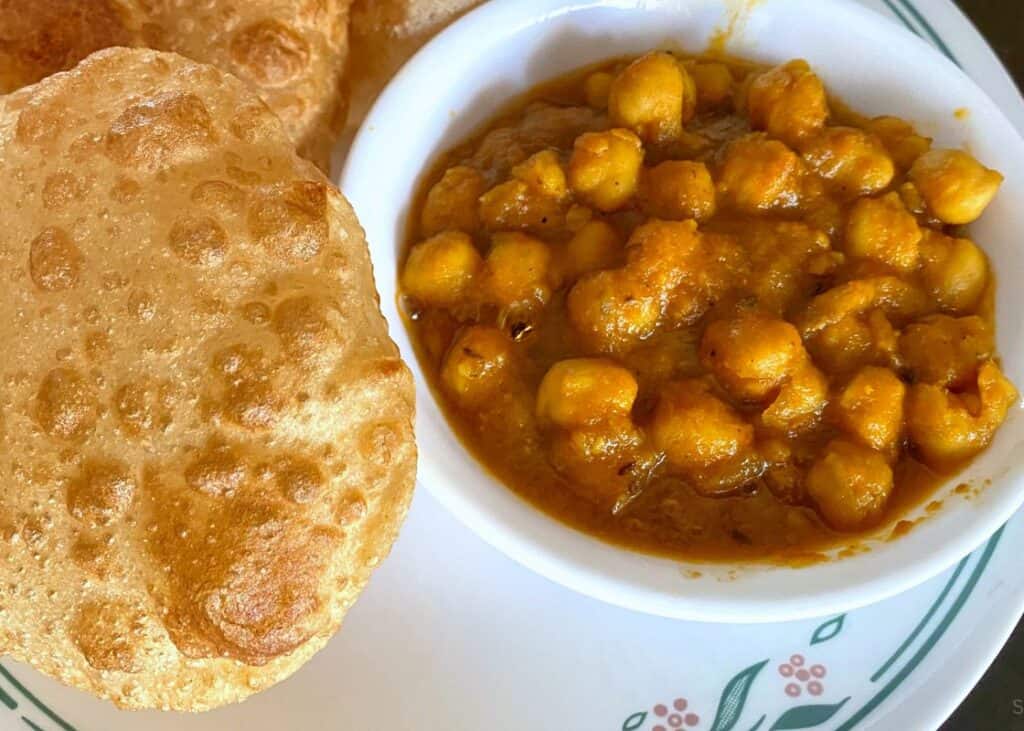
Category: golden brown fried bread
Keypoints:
(292, 52)
(41, 37)
(384, 34)
(206, 432)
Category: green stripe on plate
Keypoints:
(929, 31)
(925, 29)
(899, 14)
(932, 640)
(35, 701)
(924, 620)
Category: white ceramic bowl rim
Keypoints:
(459, 80)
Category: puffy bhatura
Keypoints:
(291, 52)
(206, 431)
(384, 34)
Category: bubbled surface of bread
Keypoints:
(292, 52)
(384, 35)
(206, 430)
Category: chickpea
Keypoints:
(884, 338)
(892, 295)
(850, 485)
(883, 230)
(955, 271)
(870, 408)
(653, 96)
(855, 341)
(678, 190)
(543, 173)
(785, 480)
(912, 199)
(657, 361)
(695, 429)
(584, 391)
(716, 266)
(751, 355)
(950, 427)
(824, 263)
(854, 162)
(801, 400)
(836, 304)
(442, 270)
(787, 101)
(514, 204)
(451, 203)
(714, 85)
(596, 245)
(727, 476)
(597, 88)
(602, 460)
(827, 216)
(946, 350)
(604, 169)
(476, 365)
(782, 257)
(661, 253)
(612, 311)
(955, 187)
(899, 297)
(505, 205)
(578, 216)
(758, 174)
(518, 269)
(900, 139)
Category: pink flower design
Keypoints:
(801, 676)
(674, 718)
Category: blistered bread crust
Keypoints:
(291, 52)
(384, 35)
(206, 435)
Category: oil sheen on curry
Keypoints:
(693, 308)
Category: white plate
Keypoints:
(451, 635)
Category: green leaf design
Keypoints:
(807, 716)
(757, 725)
(734, 696)
(828, 630)
(635, 721)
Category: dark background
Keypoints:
(1002, 24)
(990, 706)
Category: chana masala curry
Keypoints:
(696, 308)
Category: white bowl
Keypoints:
(458, 82)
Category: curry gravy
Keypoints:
(780, 259)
